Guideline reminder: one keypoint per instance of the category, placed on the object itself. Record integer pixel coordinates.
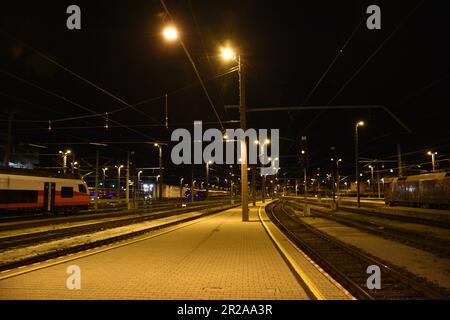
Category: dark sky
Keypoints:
(286, 47)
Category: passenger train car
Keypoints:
(30, 191)
(425, 190)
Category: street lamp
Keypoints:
(119, 167)
(139, 182)
(74, 166)
(207, 178)
(64, 155)
(358, 124)
(181, 188)
(170, 33)
(229, 54)
(432, 154)
(159, 146)
(104, 176)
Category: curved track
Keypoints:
(348, 265)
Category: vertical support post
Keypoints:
(8, 141)
(160, 187)
(254, 184)
(263, 188)
(378, 182)
(192, 182)
(357, 167)
(127, 184)
(96, 178)
(243, 118)
(207, 180)
(399, 160)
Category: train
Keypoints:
(430, 190)
(29, 190)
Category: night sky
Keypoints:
(286, 48)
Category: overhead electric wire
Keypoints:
(176, 91)
(73, 103)
(376, 51)
(197, 27)
(197, 73)
(76, 75)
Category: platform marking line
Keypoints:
(315, 291)
(100, 249)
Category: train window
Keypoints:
(66, 192)
(82, 188)
(18, 196)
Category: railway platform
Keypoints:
(215, 257)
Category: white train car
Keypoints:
(21, 191)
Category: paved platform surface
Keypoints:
(218, 257)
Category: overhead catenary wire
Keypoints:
(72, 102)
(56, 63)
(364, 64)
(145, 101)
(197, 73)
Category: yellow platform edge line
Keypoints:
(315, 291)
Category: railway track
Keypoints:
(33, 221)
(27, 239)
(372, 211)
(417, 239)
(348, 265)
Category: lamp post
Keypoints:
(104, 176)
(432, 154)
(160, 184)
(64, 156)
(207, 178)
(118, 181)
(181, 188)
(228, 54)
(338, 177)
(372, 187)
(139, 184)
(358, 124)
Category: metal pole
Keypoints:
(160, 187)
(338, 177)
(254, 184)
(192, 182)
(399, 160)
(432, 161)
(8, 141)
(118, 183)
(242, 111)
(127, 184)
(65, 163)
(263, 188)
(356, 167)
(181, 188)
(378, 182)
(96, 179)
(207, 180)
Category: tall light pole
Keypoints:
(64, 156)
(118, 181)
(338, 177)
(181, 188)
(432, 154)
(371, 178)
(139, 183)
(358, 124)
(207, 178)
(104, 176)
(228, 54)
(159, 146)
